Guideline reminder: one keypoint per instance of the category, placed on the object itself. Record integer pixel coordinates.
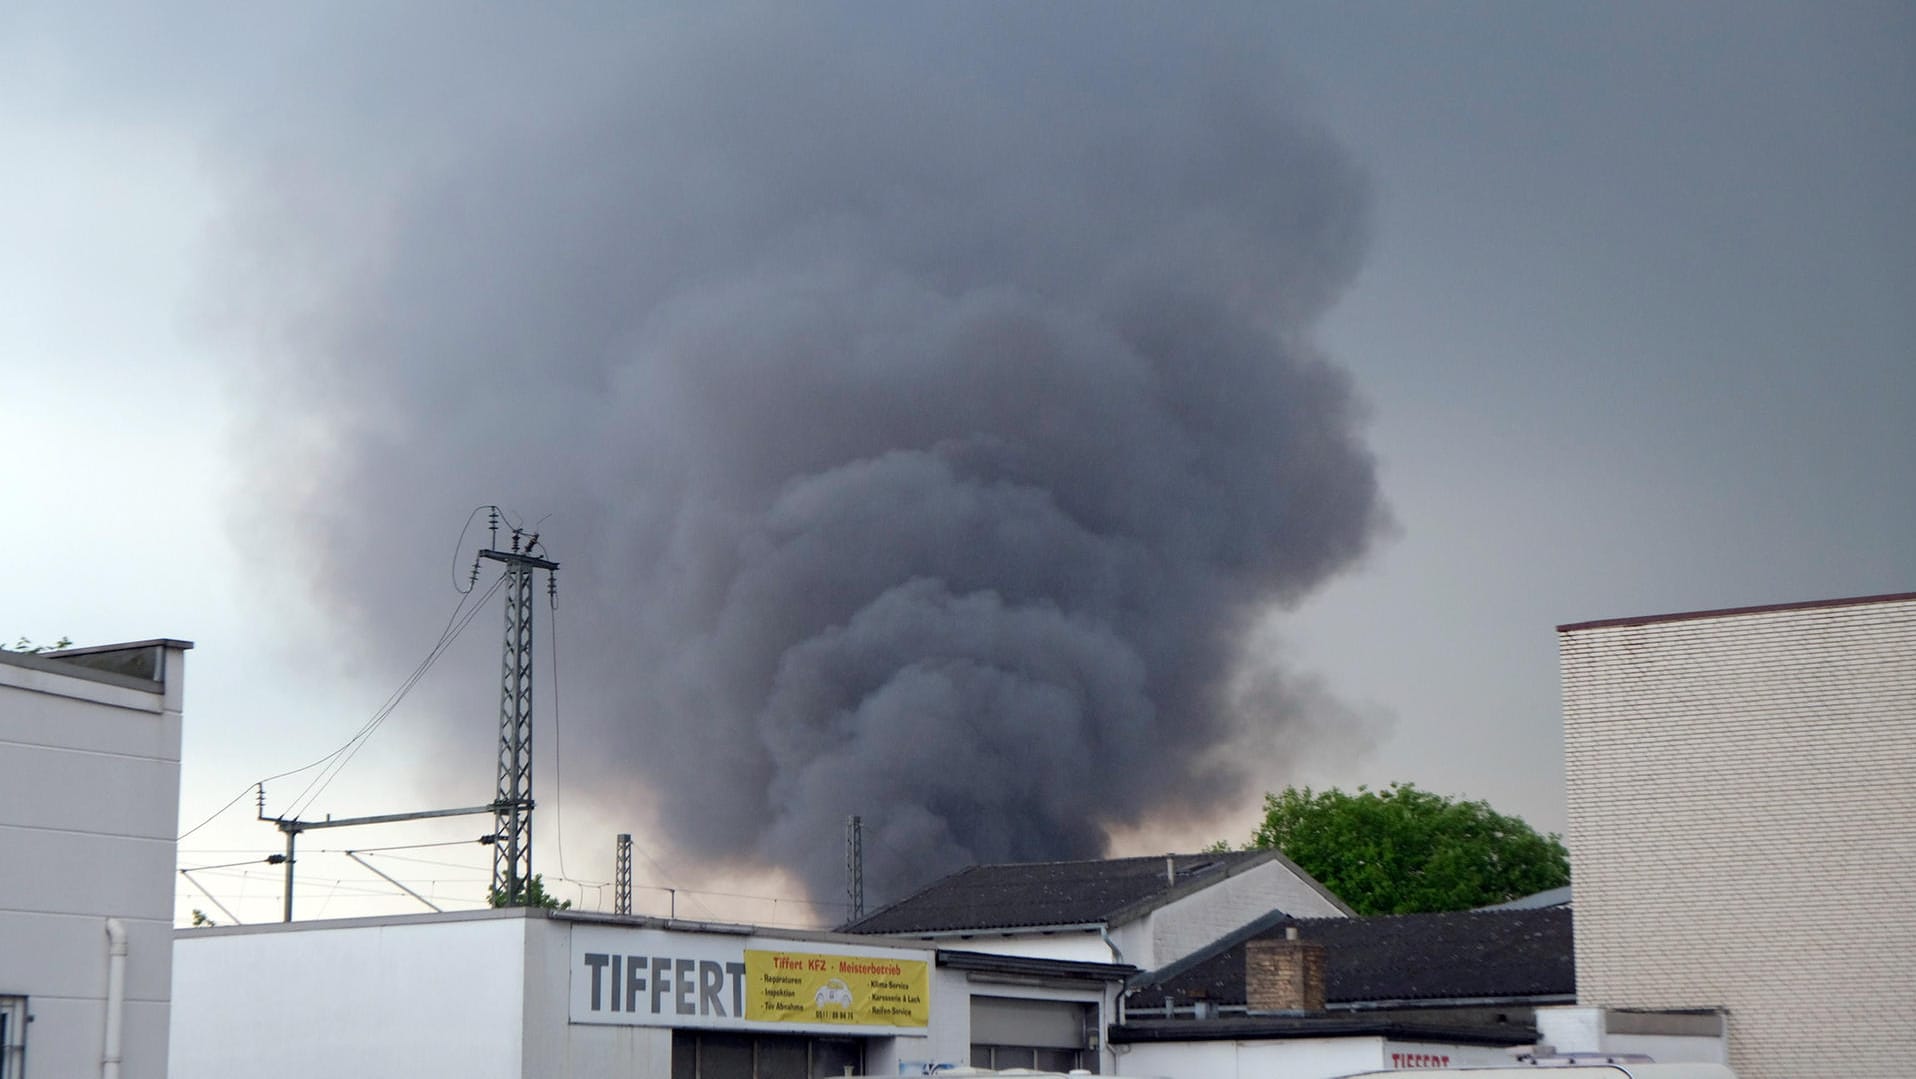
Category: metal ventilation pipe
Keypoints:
(115, 997)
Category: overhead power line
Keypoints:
(447, 635)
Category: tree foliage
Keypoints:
(533, 894)
(1402, 850)
(28, 647)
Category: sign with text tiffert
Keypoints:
(651, 977)
(854, 990)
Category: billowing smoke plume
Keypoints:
(922, 398)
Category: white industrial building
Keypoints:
(1742, 827)
(535, 994)
(518, 993)
(89, 805)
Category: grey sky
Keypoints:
(1633, 326)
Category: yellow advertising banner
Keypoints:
(856, 990)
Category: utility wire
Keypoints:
(357, 889)
(558, 751)
(444, 865)
(446, 636)
(400, 846)
(461, 546)
(345, 753)
(663, 875)
(244, 791)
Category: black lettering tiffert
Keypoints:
(634, 981)
(661, 978)
(682, 999)
(736, 971)
(618, 962)
(711, 980)
(597, 961)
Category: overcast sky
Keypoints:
(1623, 294)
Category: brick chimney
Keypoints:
(1284, 975)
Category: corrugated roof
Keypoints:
(1499, 954)
(1107, 891)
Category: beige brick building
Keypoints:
(1742, 826)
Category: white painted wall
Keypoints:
(1081, 945)
(89, 806)
(552, 1047)
(1742, 827)
(947, 1041)
(355, 998)
(1193, 922)
(1586, 1029)
(479, 995)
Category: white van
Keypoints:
(1574, 1071)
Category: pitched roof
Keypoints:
(1492, 954)
(1108, 891)
(1549, 897)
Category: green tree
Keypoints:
(27, 646)
(1402, 850)
(533, 895)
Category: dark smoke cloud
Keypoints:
(923, 399)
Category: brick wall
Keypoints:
(1283, 975)
(1742, 797)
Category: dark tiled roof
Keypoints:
(1498, 954)
(1024, 966)
(1109, 891)
(1320, 1026)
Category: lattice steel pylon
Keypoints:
(855, 868)
(622, 888)
(512, 801)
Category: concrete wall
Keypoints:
(89, 806)
(1743, 827)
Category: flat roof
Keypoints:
(1319, 1025)
(1724, 612)
(124, 646)
(139, 665)
(586, 917)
